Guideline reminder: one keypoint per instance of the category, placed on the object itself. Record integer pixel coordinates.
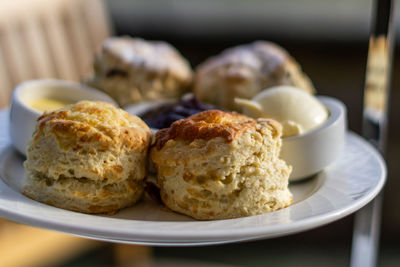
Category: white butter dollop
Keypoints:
(296, 110)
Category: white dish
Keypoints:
(24, 117)
(344, 187)
(313, 151)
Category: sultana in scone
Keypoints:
(88, 157)
(220, 165)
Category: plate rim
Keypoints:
(182, 238)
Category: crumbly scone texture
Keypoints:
(243, 71)
(132, 70)
(88, 157)
(225, 174)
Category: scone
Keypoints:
(132, 70)
(243, 71)
(88, 157)
(220, 165)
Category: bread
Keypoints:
(220, 165)
(132, 70)
(243, 71)
(88, 157)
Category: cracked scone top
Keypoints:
(88, 157)
(220, 165)
(132, 70)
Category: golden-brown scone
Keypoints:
(219, 165)
(88, 157)
(132, 70)
(243, 71)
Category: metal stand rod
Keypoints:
(365, 245)
(376, 101)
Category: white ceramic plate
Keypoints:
(345, 186)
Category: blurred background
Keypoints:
(328, 38)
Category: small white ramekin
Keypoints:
(313, 151)
(23, 117)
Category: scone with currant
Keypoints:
(133, 69)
